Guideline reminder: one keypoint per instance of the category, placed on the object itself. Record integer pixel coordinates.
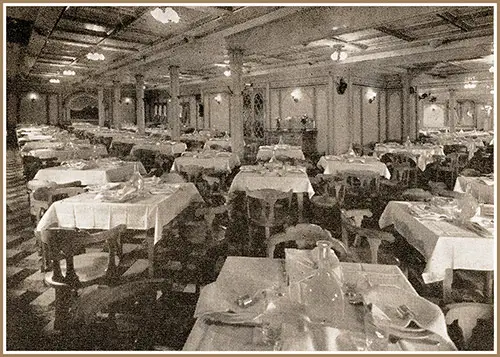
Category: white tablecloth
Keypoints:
(243, 275)
(333, 165)
(482, 188)
(443, 244)
(422, 155)
(34, 145)
(266, 153)
(166, 148)
(220, 163)
(78, 152)
(107, 171)
(298, 182)
(86, 212)
(224, 143)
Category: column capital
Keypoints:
(139, 77)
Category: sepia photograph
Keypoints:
(279, 178)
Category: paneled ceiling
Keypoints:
(436, 43)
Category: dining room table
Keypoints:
(223, 324)
(154, 207)
(338, 164)
(207, 159)
(481, 188)
(445, 242)
(224, 143)
(165, 147)
(68, 151)
(421, 154)
(283, 151)
(276, 176)
(90, 172)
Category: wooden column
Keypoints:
(193, 111)
(330, 147)
(350, 103)
(405, 98)
(139, 103)
(452, 110)
(236, 64)
(100, 106)
(116, 105)
(173, 113)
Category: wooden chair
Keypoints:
(146, 157)
(267, 208)
(172, 177)
(192, 173)
(450, 166)
(120, 149)
(360, 187)
(373, 237)
(325, 205)
(467, 316)
(81, 269)
(404, 168)
(305, 235)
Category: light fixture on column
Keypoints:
(492, 69)
(338, 55)
(165, 16)
(371, 95)
(218, 98)
(33, 96)
(69, 72)
(94, 56)
(296, 95)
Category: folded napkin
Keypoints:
(385, 299)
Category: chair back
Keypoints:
(467, 315)
(66, 243)
(361, 182)
(146, 157)
(305, 235)
(191, 172)
(331, 185)
(267, 207)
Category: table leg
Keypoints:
(488, 286)
(150, 238)
(447, 282)
(300, 206)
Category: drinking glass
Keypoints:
(376, 334)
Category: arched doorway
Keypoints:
(82, 107)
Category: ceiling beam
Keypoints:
(395, 33)
(213, 10)
(89, 45)
(309, 25)
(46, 20)
(455, 21)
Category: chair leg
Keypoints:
(447, 282)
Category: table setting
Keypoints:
(449, 233)
(274, 175)
(208, 159)
(263, 304)
(280, 151)
(422, 154)
(336, 164)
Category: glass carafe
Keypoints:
(136, 179)
(321, 293)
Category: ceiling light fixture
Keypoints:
(470, 85)
(492, 69)
(165, 16)
(94, 56)
(338, 55)
(227, 73)
(69, 72)
(54, 80)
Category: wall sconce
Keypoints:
(371, 95)
(424, 95)
(296, 95)
(126, 101)
(218, 98)
(32, 97)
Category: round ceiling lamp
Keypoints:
(227, 73)
(94, 56)
(165, 16)
(338, 55)
(54, 80)
(69, 72)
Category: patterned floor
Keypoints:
(30, 303)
